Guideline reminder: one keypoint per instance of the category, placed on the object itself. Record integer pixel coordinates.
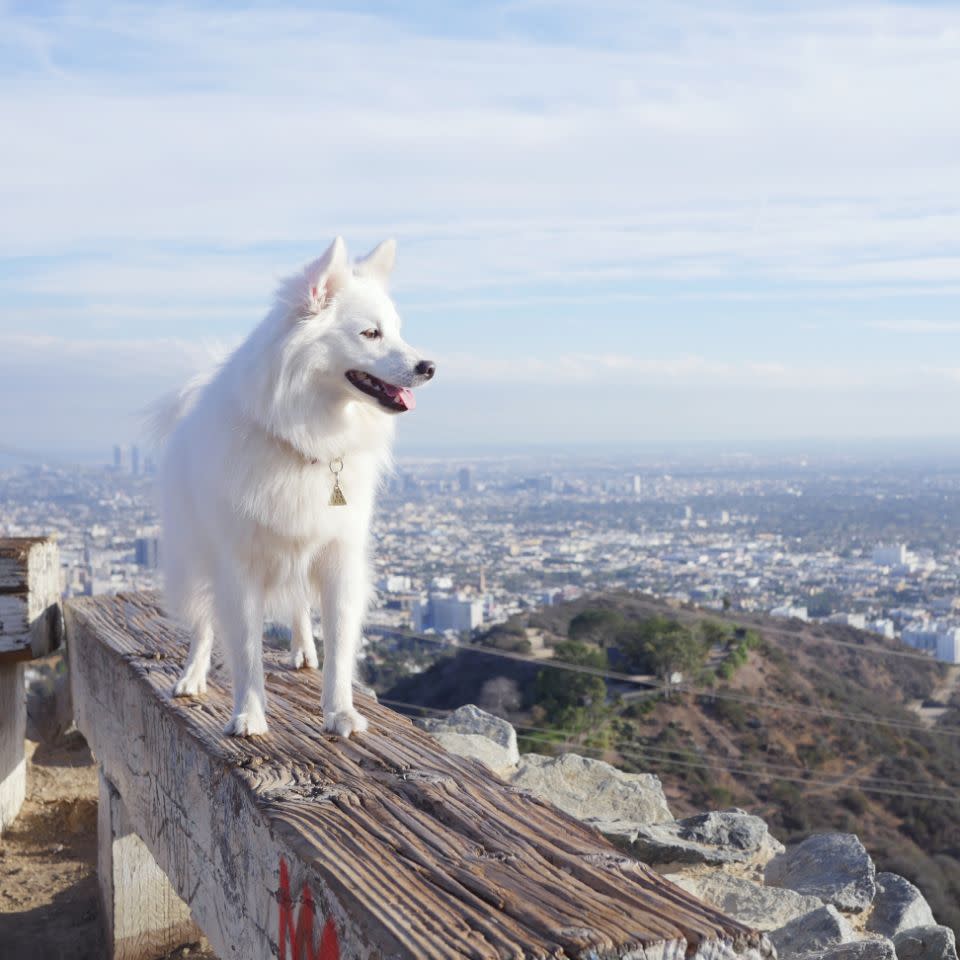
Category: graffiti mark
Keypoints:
(300, 934)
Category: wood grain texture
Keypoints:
(13, 763)
(29, 598)
(406, 850)
(143, 917)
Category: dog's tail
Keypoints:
(160, 418)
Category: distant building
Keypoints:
(135, 460)
(441, 612)
(466, 480)
(636, 485)
(118, 457)
(948, 645)
(921, 635)
(789, 612)
(857, 620)
(892, 556)
(885, 628)
(394, 583)
(147, 551)
(943, 641)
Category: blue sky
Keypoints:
(618, 222)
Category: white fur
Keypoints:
(247, 524)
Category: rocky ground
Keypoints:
(49, 907)
(821, 899)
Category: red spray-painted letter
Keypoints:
(301, 933)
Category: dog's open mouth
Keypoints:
(386, 394)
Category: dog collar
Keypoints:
(337, 499)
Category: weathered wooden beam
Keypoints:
(30, 620)
(143, 917)
(13, 760)
(30, 626)
(302, 845)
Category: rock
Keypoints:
(832, 866)
(764, 908)
(592, 790)
(811, 934)
(926, 943)
(470, 720)
(49, 707)
(858, 950)
(481, 748)
(726, 836)
(898, 906)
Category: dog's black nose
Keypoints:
(425, 368)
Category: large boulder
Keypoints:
(832, 866)
(477, 747)
(591, 789)
(764, 908)
(471, 720)
(723, 836)
(926, 943)
(898, 906)
(812, 934)
(472, 732)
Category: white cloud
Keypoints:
(170, 162)
(794, 144)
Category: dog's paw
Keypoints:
(188, 686)
(344, 722)
(248, 724)
(304, 659)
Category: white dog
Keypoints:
(269, 475)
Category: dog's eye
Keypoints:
(372, 334)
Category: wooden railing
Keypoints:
(30, 626)
(302, 845)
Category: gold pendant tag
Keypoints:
(337, 499)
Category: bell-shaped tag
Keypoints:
(337, 499)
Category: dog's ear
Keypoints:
(378, 263)
(326, 275)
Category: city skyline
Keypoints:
(619, 225)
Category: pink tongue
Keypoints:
(401, 395)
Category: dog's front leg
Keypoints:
(342, 572)
(240, 614)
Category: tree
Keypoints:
(662, 646)
(595, 625)
(571, 698)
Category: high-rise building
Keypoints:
(135, 460)
(466, 480)
(118, 457)
(147, 552)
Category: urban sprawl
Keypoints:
(461, 545)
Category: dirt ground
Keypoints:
(49, 908)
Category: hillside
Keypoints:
(811, 727)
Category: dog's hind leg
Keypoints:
(193, 680)
(303, 649)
